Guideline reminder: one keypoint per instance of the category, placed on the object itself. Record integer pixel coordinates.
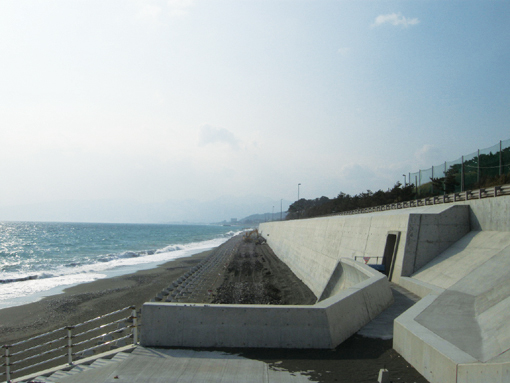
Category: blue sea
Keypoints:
(39, 259)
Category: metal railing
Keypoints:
(368, 260)
(494, 191)
(69, 343)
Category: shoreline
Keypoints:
(85, 301)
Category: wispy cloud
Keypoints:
(211, 135)
(344, 51)
(428, 155)
(179, 7)
(395, 19)
(149, 11)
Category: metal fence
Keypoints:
(469, 172)
(67, 344)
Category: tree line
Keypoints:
(309, 208)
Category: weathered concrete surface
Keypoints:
(382, 326)
(489, 214)
(312, 247)
(462, 258)
(323, 325)
(460, 331)
(179, 366)
(473, 314)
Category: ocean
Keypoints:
(39, 259)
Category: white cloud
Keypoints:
(427, 155)
(211, 135)
(344, 51)
(395, 19)
(179, 7)
(149, 11)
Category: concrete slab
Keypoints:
(381, 327)
(472, 313)
(462, 258)
(179, 366)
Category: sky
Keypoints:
(180, 100)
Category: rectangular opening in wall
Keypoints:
(390, 251)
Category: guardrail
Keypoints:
(494, 191)
(73, 342)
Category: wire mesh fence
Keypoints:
(483, 168)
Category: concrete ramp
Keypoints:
(460, 332)
(474, 313)
(463, 257)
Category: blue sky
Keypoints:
(187, 99)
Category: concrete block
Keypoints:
(483, 372)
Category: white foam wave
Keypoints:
(16, 286)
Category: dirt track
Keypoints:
(254, 275)
(245, 271)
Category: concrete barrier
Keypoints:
(460, 331)
(323, 325)
(312, 247)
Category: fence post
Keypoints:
(500, 159)
(135, 325)
(462, 176)
(7, 364)
(478, 171)
(70, 345)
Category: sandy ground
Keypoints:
(356, 360)
(90, 300)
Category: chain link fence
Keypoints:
(483, 168)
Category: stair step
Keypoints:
(120, 357)
(101, 363)
(60, 374)
(42, 379)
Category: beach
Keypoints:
(90, 300)
(358, 359)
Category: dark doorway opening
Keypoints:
(390, 251)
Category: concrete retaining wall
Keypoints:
(312, 247)
(489, 213)
(323, 325)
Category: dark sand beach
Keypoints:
(90, 300)
(356, 360)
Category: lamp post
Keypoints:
(298, 191)
(405, 183)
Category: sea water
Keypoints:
(38, 259)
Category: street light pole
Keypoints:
(298, 191)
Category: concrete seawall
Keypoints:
(454, 256)
(323, 325)
(405, 240)
(328, 255)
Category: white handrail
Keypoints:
(57, 344)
